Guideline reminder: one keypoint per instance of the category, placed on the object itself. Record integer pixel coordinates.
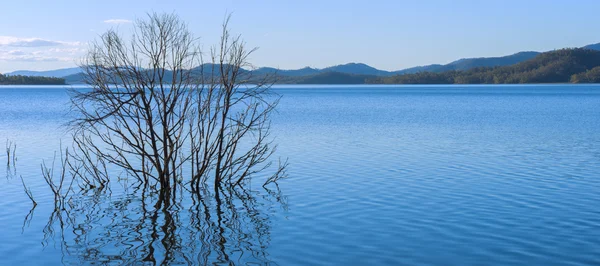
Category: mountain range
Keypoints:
(571, 65)
(350, 73)
(469, 63)
(58, 73)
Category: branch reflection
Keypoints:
(168, 226)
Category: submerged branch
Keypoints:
(28, 192)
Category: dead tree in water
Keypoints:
(156, 110)
(11, 149)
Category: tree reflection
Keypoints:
(165, 227)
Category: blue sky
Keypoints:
(391, 35)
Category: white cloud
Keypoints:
(12, 41)
(35, 52)
(117, 21)
(20, 56)
(27, 50)
(30, 53)
(68, 50)
(15, 52)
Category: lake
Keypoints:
(378, 175)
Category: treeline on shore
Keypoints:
(573, 65)
(30, 80)
(576, 65)
(560, 66)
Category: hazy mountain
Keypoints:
(560, 66)
(206, 69)
(595, 46)
(328, 77)
(287, 72)
(73, 76)
(357, 69)
(364, 69)
(470, 63)
(350, 68)
(29, 80)
(58, 73)
(412, 70)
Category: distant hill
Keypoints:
(559, 66)
(74, 78)
(58, 73)
(207, 69)
(327, 78)
(466, 64)
(364, 69)
(595, 46)
(470, 63)
(353, 71)
(29, 80)
(285, 72)
(350, 68)
(417, 69)
(356, 69)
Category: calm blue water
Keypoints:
(379, 175)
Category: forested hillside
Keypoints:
(28, 80)
(560, 66)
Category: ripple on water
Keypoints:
(395, 176)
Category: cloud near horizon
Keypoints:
(18, 49)
(20, 56)
(117, 21)
(12, 41)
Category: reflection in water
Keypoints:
(172, 226)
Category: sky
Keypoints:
(386, 34)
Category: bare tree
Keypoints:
(158, 111)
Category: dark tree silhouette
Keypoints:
(159, 112)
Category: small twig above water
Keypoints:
(281, 173)
(57, 186)
(28, 192)
(11, 157)
(7, 152)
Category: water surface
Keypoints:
(392, 175)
